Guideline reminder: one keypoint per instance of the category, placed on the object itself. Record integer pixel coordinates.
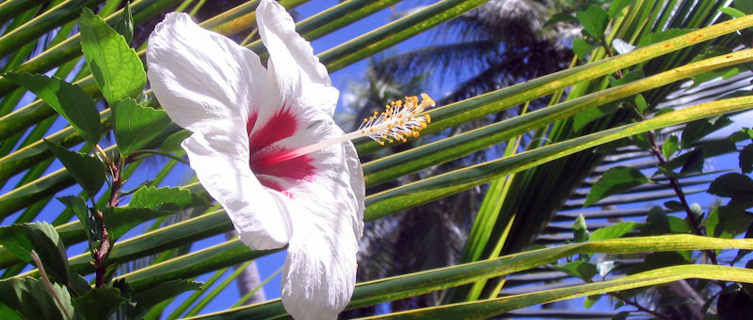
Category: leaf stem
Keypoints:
(639, 306)
(690, 216)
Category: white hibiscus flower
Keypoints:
(264, 145)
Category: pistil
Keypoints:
(399, 120)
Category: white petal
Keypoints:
(260, 215)
(298, 72)
(319, 274)
(203, 80)
(353, 165)
(320, 271)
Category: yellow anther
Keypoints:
(427, 101)
(399, 120)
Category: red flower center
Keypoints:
(263, 151)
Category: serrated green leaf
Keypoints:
(116, 66)
(150, 202)
(711, 51)
(581, 119)
(615, 180)
(42, 238)
(663, 111)
(79, 286)
(32, 299)
(660, 36)
(594, 20)
(135, 126)
(120, 220)
(740, 135)
(746, 159)
(88, 171)
(668, 173)
(582, 48)
(669, 147)
(696, 130)
(712, 221)
(660, 260)
(628, 77)
(91, 225)
(724, 73)
(656, 222)
(732, 185)
(732, 221)
(98, 303)
(590, 301)
(580, 269)
(67, 99)
(124, 26)
(613, 231)
(677, 225)
(693, 162)
(165, 198)
(640, 103)
(171, 144)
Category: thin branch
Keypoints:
(105, 243)
(639, 306)
(690, 216)
(101, 253)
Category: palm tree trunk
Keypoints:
(249, 279)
